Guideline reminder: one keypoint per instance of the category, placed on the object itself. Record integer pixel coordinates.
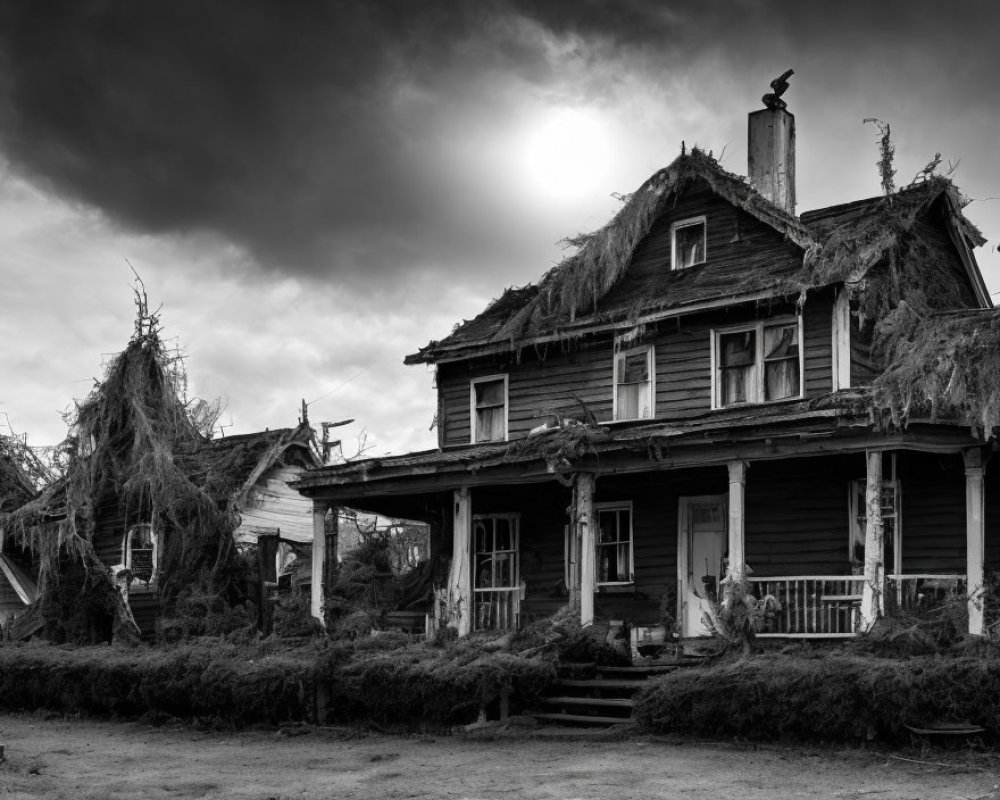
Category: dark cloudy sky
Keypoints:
(315, 189)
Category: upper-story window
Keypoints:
(757, 363)
(687, 238)
(489, 409)
(634, 384)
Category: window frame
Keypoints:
(619, 505)
(687, 223)
(650, 351)
(757, 327)
(474, 418)
(856, 511)
(137, 585)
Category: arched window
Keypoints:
(140, 556)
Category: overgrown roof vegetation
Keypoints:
(137, 452)
(887, 252)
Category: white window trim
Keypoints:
(137, 585)
(686, 223)
(857, 487)
(506, 407)
(624, 505)
(758, 328)
(651, 369)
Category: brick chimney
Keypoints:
(771, 148)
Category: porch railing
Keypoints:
(829, 606)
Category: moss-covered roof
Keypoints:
(584, 290)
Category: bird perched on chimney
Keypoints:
(779, 84)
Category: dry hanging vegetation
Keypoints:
(136, 452)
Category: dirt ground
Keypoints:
(89, 760)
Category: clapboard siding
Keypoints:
(932, 489)
(797, 515)
(992, 502)
(561, 381)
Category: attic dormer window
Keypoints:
(687, 238)
(489, 409)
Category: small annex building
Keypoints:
(717, 385)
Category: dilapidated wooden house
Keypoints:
(17, 589)
(151, 508)
(714, 384)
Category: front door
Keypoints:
(701, 549)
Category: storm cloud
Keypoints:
(325, 138)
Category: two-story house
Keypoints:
(690, 393)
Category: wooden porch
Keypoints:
(829, 606)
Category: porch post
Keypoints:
(460, 574)
(975, 519)
(585, 523)
(318, 559)
(737, 505)
(871, 595)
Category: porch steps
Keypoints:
(594, 695)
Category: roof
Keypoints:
(585, 291)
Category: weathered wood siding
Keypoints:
(932, 488)
(797, 515)
(557, 382)
(277, 507)
(992, 492)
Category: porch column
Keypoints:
(585, 524)
(460, 574)
(975, 520)
(871, 595)
(318, 559)
(737, 505)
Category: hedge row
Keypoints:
(387, 678)
(823, 698)
(215, 681)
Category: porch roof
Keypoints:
(834, 423)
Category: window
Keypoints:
(496, 579)
(757, 363)
(687, 239)
(634, 394)
(489, 409)
(890, 527)
(614, 543)
(140, 556)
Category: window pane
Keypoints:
(504, 540)
(737, 349)
(484, 571)
(738, 384)
(489, 393)
(781, 341)
(632, 401)
(504, 570)
(781, 379)
(608, 522)
(484, 538)
(634, 368)
(690, 244)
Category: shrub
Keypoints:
(838, 697)
(210, 679)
